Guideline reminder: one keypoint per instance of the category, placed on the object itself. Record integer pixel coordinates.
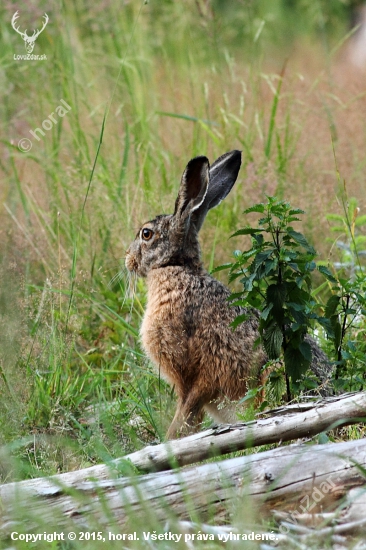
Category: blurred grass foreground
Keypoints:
(94, 140)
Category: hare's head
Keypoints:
(173, 239)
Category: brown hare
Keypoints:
(186, 328)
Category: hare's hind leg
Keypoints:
(189, 413)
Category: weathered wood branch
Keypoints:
(289, 478)
(316, 418)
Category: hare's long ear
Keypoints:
(223, 174)
(193, 187)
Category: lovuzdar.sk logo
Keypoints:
(29, 41)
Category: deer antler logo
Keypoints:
(28, 40)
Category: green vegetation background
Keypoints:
(150, 85)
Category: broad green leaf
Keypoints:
(327, 325)
(345, 354)
(262, 256)
(272, 341)
(325, 271)
(298, 295)
(337, 331)
(276, 294)
(305, 350)
(266, 311)
(235, 296)
(310, 266)
(270, 265)
(248, 285)
(299, 238)
(239, 320)
(234, 276)
(300, 318)
(221, 267)
(295, 363)
(264, 221)
(258, 238)
(255, 208)
(246, 231)
(332, 305)
(241, 303)
(251, 394)
(295, 306)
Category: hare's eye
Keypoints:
(146, 234)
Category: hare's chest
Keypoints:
(164, 338)
(150, 329)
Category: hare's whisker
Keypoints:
(119, 276)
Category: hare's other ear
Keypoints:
(223, 174)
(193, 187)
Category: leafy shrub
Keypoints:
(277, 273)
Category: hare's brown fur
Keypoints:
(197, 351)
(186, 329)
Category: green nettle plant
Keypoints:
(276, 274)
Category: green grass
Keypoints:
(150, 85)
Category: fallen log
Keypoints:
(295, 478)
(312, 419)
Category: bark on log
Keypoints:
(290, 478)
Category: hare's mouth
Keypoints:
(130, 263)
